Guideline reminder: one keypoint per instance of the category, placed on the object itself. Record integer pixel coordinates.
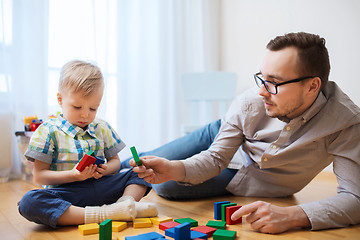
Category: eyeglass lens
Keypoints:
(268, 85)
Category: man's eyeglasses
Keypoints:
(272, 87)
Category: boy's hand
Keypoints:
(100, 171)
(88, 172)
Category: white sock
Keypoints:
(143, 209)
(124, 211)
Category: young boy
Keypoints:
(97, 193)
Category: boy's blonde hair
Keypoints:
(80, 76)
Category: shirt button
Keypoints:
(265, 159)
(274, 147)
(288, 128)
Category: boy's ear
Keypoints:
(59, 98)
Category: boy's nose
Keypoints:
(84, 114)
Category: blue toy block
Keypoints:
(195, 234)
(182, 231)
(170, 232)
(146, 236)
(99, 161)
(217, 209)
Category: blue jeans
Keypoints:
(183, 148)
(45, 206)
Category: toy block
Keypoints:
(182, 231)
(217, 209)
(167, 225)
(90, 228)
(105, 230)
(142, 223)
(192, 222)
(99, 161)
(216, 224)
(118, 226)
(85, 161)
(223, 210)
(136, 156)
(161, 219)
(229, 211)
(170, 232)
(152, 235)
(209, 231)
(224, 235)
(91, 153)
(146, 236)
(197, 235)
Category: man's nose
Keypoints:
(263, 92)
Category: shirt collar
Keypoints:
(73, 130)
(314, 109)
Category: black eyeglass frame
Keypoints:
(265, 82)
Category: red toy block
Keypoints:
(166, 225)
(85, 161)
(229, 211)
(209, 231)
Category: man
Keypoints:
(282, 137)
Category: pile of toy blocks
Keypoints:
(179, 229)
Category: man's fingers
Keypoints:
(146, 173)
(244, 210)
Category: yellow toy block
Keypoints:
(118, 226)
(142, 222)
(90, 228)
(161, 219)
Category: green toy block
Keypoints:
(105, 230)
(91, 153)
(136, 156)
(221, 234)
(216, 224)
(193, 223)
(223, 210)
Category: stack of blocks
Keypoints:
(88, 159)
(179, 229)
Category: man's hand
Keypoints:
(267, 218)
(157, 170)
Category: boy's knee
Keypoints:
(26, 204)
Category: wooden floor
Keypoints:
(13, 226)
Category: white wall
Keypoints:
(248, 25)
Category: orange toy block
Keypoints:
(90, 228)
(118, 226)
(229, 211)
(161, 219)
(142, 222)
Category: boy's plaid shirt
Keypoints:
(62, 144)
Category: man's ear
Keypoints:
(59, 98)
(315, 85)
